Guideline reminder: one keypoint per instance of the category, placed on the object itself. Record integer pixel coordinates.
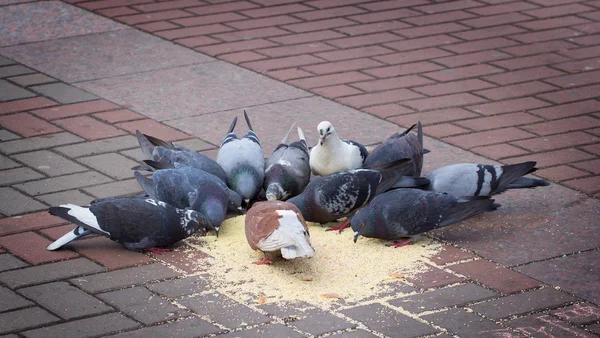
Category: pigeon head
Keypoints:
(195, 221)
(235, 200)
(275, 192)
(362, 224)
(325, 129)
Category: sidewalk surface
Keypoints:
(492, 81)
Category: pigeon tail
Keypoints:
(526, 182)
(143, 167)
(155, 165)
(79, 216)
(407, 130)
(146, 183)
(70, 236)
(411, 182)
(232, 126)
(160, 143)
(461, 211)
(247, 120)
(301, 249)
(391, 173)
(145, 145)
(287, 135)
(420, 134)
(301, 135)
(510, 173)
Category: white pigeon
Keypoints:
(331, 154)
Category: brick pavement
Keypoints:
(509, 81)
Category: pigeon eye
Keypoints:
(328, 129)
(361, 225)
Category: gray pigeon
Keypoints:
(404, 213)
(134, 222)
(400, 145)
(160, 154)
(467, 179)
(287, 170)
(187, 187)
(327, 198)
(243, 162)
(331, 154)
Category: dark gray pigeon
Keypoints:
(402, 213)
(160, 154)
(468, 179)
(134, 222)
(243, 162)
(287, 170)
(400, 145)
(327, 198)
(187, 187)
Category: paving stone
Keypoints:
(24, 319)
(495, 276)
(119, 116)
(9, 91)
(120, 188)
(388, 321)
(9, 300)
(88, 327)
(466, 324)
(14, 70)
(180, 287)
(8, 262)
(223, 310)
(31, 247)
(6, 135)
(450, 254)
(15, 203)
(89, 128)
(5, 61)
(432, 277)
(27, 222)
(184, 328)
(38, 142)
(63, 93)
(135, 154)
(196, 144)
(153, 128)
(318, 322)
(522, 303)
(49, 272)
(580, 314)
(359, 334)
(16, 175)
(74, 109)
(27, 125)
(99, 147)
(273, 330)
(63, 183)
(184, 258)
(114, 165)
(50, 163)
(594, 328)
(126, 277)
(32, 79)
(65, 300)
(546, 326)
(143, 305)
(447, 297)
(109, 253)
(25, 104)
(289, 310)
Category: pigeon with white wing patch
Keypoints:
(331, 154)
(277, 228)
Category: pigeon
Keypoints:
(401, 213)
(327, 198)
(277, 227)
(331, 155)
(135, 222)
(187, 187)
(243, 161)
(468, 179)
(287, 170)
(400, 145)
(160, 154)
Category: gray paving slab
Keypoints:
(318, 322)
(49, 20)
(14, 202)
(180, 287)
(61, 183)
(125, 277)
(272, 121)
(88, 327)
(272, 330)
(38, 142)
(16, 175)
(466, 324)
(119, 188)
(6, 135)
(99, 147)
(192, 90)
(114, 165)
(9, 92)
(49, 162)
(69, 196)
(7, 163)
(63, 93)
(184, 328)
(8, 262)
(10, 300)
(24, 319)
(31, 79)
(103, 55)
(14, 70)
(4, 60)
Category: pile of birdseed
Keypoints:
(340, 268)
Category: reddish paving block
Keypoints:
(462, 72)
(372, 28)
(27, 125)
(495, 276)
(404, 69)
(342, 66)
(467, 324)
(219, 8)
(582, 53)
(558, 10)
(434, 29)
(577, 66)
(439, 18)
(153, 7)
(491, 32)
(564, 125)
(184, 258)
(472, 58)
(58, 231)
(516, 90)
(500, 107)
(411, 56)
(117, 11)
(495, 20)
(488, 137)
(499, 151)
(595, 148)
(431, 117)
(505, 120)
(156, 16)
(560, 173)
(567, 140)
(252, 34)
(32, 248)
(329, 13)
(304, 48)
(553, 34)
(418, 43)
(391, 83)
(359, 101)
(364, 40)
(443, 298)
(288, 74)
(153, 128)
(531, 61)
(591, 166)
(383, 16)
(479, 45)
(524, 75)
(209, 19)
(336, 91)
(432, 277)
(552, 158)
(329, 80)
(156, 26)
(553, 23)
(266, 22)
(275, 10)
(280, 63)
(119, 116)
(94, 5)
(38, 220)
(387, 110)
(567, 110)
(453, 87)
(354, 53)
(583, 313)
(197, 41)
(588, 185)
(25, 104)
(193, 31)
(545, 326)
(75, 109)
(451, 254)
(318, 25)
(503, 8)
(539, 47)
(240, 57)
(590, 40)
(89, 128)
(444, 101)
(576, 79)
(448, 6)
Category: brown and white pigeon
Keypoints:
(277, 227)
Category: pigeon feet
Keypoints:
(158, 250)
(398, 244)
(265, 260)
(340, 227)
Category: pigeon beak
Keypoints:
(322, 139)
(241, 210)
(217, 231)
(355, 236)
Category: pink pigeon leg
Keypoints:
(158, 250)
(398, 244)
(265, 260)
(340, 227)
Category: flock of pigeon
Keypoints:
(381, 193)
